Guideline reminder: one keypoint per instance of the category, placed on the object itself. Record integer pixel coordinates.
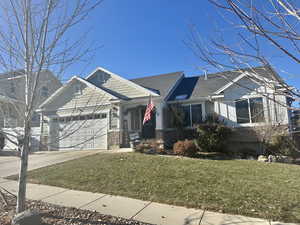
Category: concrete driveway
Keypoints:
(9, 165)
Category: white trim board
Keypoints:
(61, 89)
(244, 74)
(146, 91)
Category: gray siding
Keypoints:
(14, 89)
(227, 110)
(68, 99)
(118, 87)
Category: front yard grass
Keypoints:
(245, 187)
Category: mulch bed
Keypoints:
(57, 215)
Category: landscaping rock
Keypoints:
(262, 158)
(251, 158)
(151, 151)
(29, 217)
(284, 159)
(59, 215)
(272, 158)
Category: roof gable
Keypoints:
(213, 84)
(66, 93)
(117, 85)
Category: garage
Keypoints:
(81, 131)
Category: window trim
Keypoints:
(77, 89)
(10, 122)
(45, 92)
(190, 125)
(249, 111)
(133, 123)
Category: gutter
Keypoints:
(189, 100)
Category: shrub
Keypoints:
(139, 148)
(185, 148)
(282, 145)
(150, 146)
(212, 135)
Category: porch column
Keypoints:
(159, 120)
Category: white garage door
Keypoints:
(83, 132)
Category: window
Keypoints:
(135, 118)
(113, 123)
(250, 110)
(77, 89)
(181, 97)
(100, 78)
(44, 92)
(186, 115)
(242, 111)
(190, 115)
(257, 110)
(12, 88)
(35, 117)
(196, 114)
(10, 122)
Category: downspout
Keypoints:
(275, 109)
(42, 131)
(268, 106)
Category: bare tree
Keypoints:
(256, 24)
(35, 36)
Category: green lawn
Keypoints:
(232, 186)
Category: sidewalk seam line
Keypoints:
(92, 201)
(53, 195)
(141, 210)
(6, 181)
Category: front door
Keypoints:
(147, 130)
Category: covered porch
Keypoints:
(132, 121)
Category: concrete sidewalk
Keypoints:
(145, 211)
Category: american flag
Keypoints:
(149, 111)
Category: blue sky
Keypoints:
(140, 38)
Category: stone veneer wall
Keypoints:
(114, 139)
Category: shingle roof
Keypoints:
(117, 85)
(198, 86)
(162, 84)
(12, 74)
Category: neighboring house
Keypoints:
(12, 99)
(102, 110)
(295, 124)
(295, 118)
